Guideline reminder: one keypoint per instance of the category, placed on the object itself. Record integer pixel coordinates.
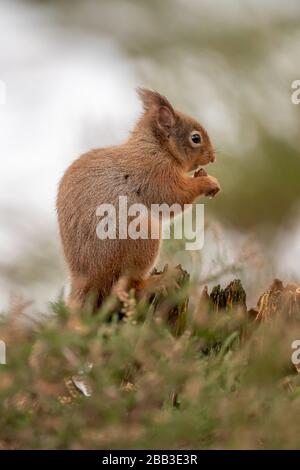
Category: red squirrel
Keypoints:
(150, 168)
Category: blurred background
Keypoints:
(70, 70)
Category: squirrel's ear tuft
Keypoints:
(165, 114)
(165, 118)
(152, 98)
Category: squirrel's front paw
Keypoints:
(210, 185)
(213, 186)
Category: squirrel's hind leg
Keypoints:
(83, 295)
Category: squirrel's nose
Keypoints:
(213, 157)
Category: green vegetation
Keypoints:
(225, 382)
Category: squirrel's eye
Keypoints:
(196, 139)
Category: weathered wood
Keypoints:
(279, 300)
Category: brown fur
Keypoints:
(151, 167)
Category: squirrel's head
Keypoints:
(182, 135)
